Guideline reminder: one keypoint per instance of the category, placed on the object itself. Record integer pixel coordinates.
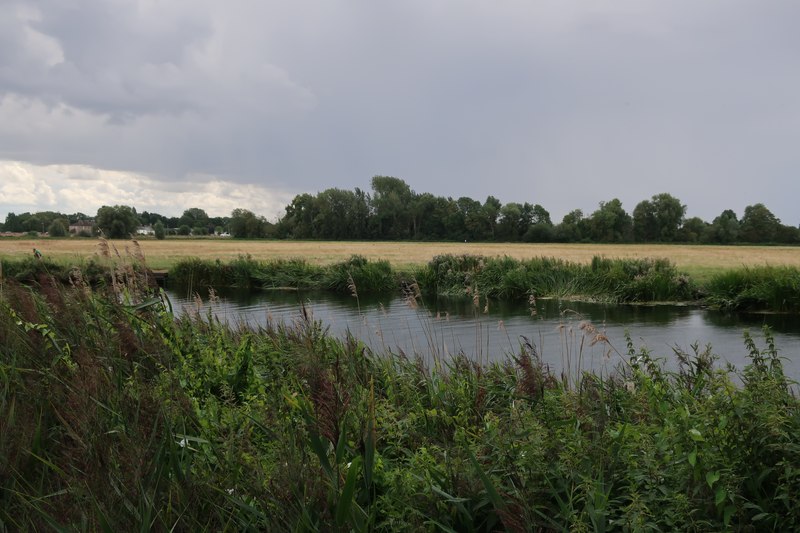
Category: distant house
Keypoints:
(81, 225)
(145, 230)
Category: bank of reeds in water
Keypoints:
(116, 415)
(764, 288)
(767, 288)
(612, 280)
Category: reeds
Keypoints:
(116, 415)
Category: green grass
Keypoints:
(116, 415)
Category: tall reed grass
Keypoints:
(769, 288)
(117, 415)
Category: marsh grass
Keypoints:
(117, 415)
(611, 280)
(770, 288)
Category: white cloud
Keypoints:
(80, 188)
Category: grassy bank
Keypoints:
(117, 416)
(772, 289)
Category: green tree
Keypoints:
(391, 201)
(298, 222)
(491, 212)
(515, 219)
(57, 229)
(610, 223)
(194, 217)
(245, 224)
(117, 222)
(159, 230)
(572, 227)
(692, 230)
(658, 219)
(645, 226)
(758, 224)
(724, 229)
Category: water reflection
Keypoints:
(563, 332)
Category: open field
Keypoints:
(699, 261)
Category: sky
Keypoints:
(170, 104)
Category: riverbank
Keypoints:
(117, 414)
(753, 289)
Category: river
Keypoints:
(567, 335)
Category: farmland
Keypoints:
(698, 261)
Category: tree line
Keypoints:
(393, 211)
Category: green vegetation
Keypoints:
(116, 415)
(756, 288)
(393, 211)
(614, 280)
(773, 289)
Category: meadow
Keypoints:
(700, 262)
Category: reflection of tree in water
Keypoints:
(781, 323)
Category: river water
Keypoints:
(567, 335)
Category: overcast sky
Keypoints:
(171, 104)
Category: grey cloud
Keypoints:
(561, 103)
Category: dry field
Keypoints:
(696, 260)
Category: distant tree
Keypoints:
(245, 224)
(432, 216)
(491, 213)
(57, 229)
(391, 201)
(515, 219)
(117, 222)
(572, 227)
(539, 233)
(788, 235)
(724, 229)
(298, 223)
(645, 226)
(159, 230)
(340, 215)
(540, 215)
(758, 224)
(12, 223)
(692, 230)
(610, 223)
(195, 217)
(658, 219)
(184, 230)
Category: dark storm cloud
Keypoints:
(563, 103)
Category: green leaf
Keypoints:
(693, 457)
(696, 435)
(494, 496)
(711, 478)
(719, 497)
(726, 516)
(348, 491)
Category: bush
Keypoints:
(57, 229)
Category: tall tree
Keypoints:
(572, 227)
(245, 224)
(491, 212)
(195, 218)
(658, 219)
(611, 223)
(758, 224)
(391, 202)
(724, 229)
(298, 223)
(117, 222)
